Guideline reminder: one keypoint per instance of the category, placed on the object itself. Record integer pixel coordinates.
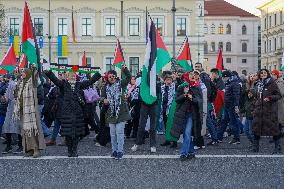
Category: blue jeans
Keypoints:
(2, 119)
(248, 128)
(56, 129)
(229, 117)
(117, 136)
(187, 145)
(45, 130)
(211, 125)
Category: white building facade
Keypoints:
(236, 34)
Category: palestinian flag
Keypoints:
(170, 122)
(84, 61)
(156, 58)
(219, 100)
(9, 62)
(28, 39)
(23, 61)
(118, 59)
(184, 58)
(282, 65)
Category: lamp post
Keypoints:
(49, 36)
(174, 28)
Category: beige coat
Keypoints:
(280, 83)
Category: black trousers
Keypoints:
(9, 140)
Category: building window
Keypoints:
(265, 23)
(134, 65)
(265, 46)
(220, 45)
(269, 46)
(281, 42)
(244, 61)
(228, 29)
(89, 62)
(228, 47)
(213, 29)
(205, 47)
(86, 26)
(181, 26)
(228, 60)
(221, 29)
(212, 47)
(275, 44)
(38, 23)
(110, 26)
(159, 22)
(62, 26)
(133, 26)
(108, 63)
(244, 30)
(275, 19)
(281, 17)
(62, 60)
(244, 47)
(270, 21)
(205, 29)
(14, 26)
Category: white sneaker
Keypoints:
(134, 148)
(98, 144)
(196, 148)
(153, 150)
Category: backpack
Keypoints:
(91, 95)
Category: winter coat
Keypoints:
(3, 107)
(265, 114)
(180, 117)
(232, 93)
(249, 105)
(49, 103)
(3, 87)
(72, 118)
(123, 115)
(280, 103)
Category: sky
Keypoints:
(248, 5)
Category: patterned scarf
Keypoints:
(171, 94)
(114, 97)
(260, 86)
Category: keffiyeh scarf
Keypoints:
(113, 93)
(171, 94)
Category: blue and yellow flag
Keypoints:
(14, 40)
(62, 46)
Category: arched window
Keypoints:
(205, 47)
(220, 45)
(244, 30)
(221, 29)
(205, 29)
(228, 29)
(213, 28)
(228, 47)
(244, 47)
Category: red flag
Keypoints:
(73, 28)
(23, 61)
(9, 62)
(220, 65)
(119, 59)
(84, 62)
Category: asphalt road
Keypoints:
(223, 166)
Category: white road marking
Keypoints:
(139, 157)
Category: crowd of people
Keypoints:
(190, 104)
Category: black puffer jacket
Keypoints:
(181, 113)
(72, 118)
(232, 93)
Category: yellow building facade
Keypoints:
(97, 23)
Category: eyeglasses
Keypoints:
(111, 76)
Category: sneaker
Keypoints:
(134, 148)
(235, 141)
(196, 147)
(174, 145)
(119, 156)
(190, 156)
(7, 150)
(203, 147)
(212, 143)
(183, 157)
(166, 143)
(18, 151)
(220, 141)
(153, 150)
(114, 154)
(98, 144)
(51, 143)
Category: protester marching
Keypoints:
(184, 103)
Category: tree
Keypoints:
(3, 28)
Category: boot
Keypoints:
(166, 143)
(75, 147)
(174, 145)
(36, 153)
(277, 148)
(255, 147)
(69, 146)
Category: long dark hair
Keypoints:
(263, 69)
